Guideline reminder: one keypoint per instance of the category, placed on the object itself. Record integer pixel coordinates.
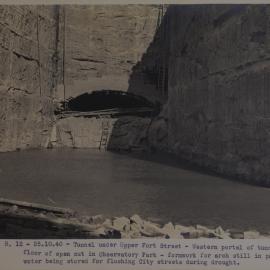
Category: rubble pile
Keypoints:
(40, 222)
(136, 227)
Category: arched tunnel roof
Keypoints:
(107, 99)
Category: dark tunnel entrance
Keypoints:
(113, 101)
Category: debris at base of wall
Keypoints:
(27, 220)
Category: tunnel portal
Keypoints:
(113, 102)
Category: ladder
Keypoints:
(105, 126)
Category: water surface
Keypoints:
(94, 182)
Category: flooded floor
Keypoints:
(94, 182)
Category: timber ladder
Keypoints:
(105, 133)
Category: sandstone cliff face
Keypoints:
(80, 132)
(218, 107)
(27, 48)
(219, 103)
(104, 46)
(51, 53)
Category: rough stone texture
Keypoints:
(140, 134)
(219, 102)
(110, 47)
(27, 47)
(158, 132)
(78, 132)
(21, 222)
(49, 53)
(130, 134)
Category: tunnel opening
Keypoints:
(113, 102)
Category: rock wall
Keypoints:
(80, 132)
(28, 43)
(50, 53)
(105, 46)
(219, 101)
(125, 134)
(130, 134)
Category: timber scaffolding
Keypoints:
(106, 103)
(105, 116)
(113, 113)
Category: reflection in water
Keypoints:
(94, 182)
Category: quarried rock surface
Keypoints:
(129, 134)
(104, 46)
(51, 53)
(28, 43)
(219, 103)
(218, 83)
(79, 132)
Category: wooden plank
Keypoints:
(29, 225)
(36, 206)
(109, 112)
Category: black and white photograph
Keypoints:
(135, 121)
